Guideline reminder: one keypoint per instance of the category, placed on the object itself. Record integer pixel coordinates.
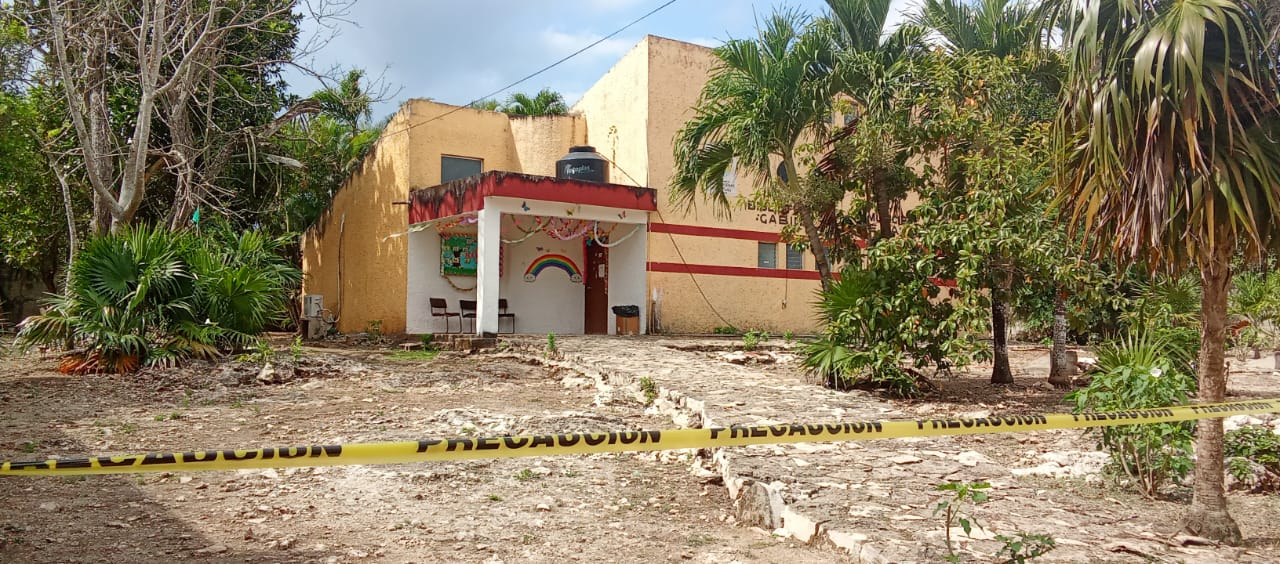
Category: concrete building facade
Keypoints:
(376, 255)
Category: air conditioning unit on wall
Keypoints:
(312, 304)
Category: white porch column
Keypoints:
(489, 234)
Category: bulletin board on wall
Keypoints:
(460, 255)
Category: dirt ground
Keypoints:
(604, 508)
(1258, 515)
(614, 508)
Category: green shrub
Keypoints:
(155, 297)
(1143, 370)
(1255, 443)
(878, 323)
(752, 339)
(726, 330)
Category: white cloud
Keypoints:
(560, 43)
(706, 41)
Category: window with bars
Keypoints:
(767, 255)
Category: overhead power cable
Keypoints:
(539, 71)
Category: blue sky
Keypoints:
(454, 51)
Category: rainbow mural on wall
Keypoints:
(559, 262)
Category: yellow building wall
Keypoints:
(361, 277)
(677, 72)
(615, 112)
(369, 227)
(541, 140)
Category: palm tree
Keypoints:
(873, 66)
(763, 96)
(1165, 154)
(546, 102)
(1001, 28)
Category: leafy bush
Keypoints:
(752, 339)
(154, 297)
(1255, 443)
(1255, 302)
(1145, 369)
(878, 323)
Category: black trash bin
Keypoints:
(627, 320)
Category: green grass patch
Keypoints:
(414, 355)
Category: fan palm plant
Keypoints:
(1166, 154)
(763, 95)
(125, 290)
(546, 102)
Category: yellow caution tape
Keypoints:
(432, 450)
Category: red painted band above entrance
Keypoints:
(699, 231)
(466, 195)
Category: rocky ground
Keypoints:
(803, 503)
(605, 508)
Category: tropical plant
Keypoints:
(999, 28)
(1254, 307)
(487, 104)
(128, 293)
(881, 319)
(148, 296)
(546, 102)
(1145, 369)
(762, 97)
(873, 71)
(1166, 154)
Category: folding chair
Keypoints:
(440, 308)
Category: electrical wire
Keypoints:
(679, 253)
(535, 73)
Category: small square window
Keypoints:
(453, 168)
(795, 258)
(767, 255)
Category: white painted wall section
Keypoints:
(489, 235)
(425, 282)
(627, 272)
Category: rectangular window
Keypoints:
(453, 168)
(795, 258)
(767, 255)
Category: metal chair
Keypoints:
(468, 308)
(504, 314)
(440, 308)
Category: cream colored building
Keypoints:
(414, 216)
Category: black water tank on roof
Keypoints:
(583, 163)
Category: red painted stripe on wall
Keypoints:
(732, 270)
(699, 231)
(747, 271)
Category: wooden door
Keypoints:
(596, 279)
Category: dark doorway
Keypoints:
(596, 278)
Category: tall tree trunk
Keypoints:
(1209, 517)
(816, 245)
(818, 248)
(72, 243)
(1000, 373)
(1059, 368)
